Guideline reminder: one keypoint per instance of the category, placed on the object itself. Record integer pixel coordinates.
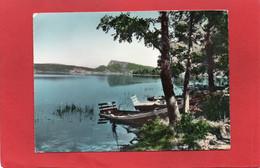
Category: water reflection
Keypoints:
(120, 80)
(115, 133)
(81, 130)
(129, 130)
(55, 77)
(69, 113)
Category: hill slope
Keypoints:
(59, 68)
(124, 67)
(112, 67)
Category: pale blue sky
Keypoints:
(72, 38)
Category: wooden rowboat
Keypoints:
(151, 105)
(110, 112)
(136, 118)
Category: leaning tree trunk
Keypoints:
(172, 106)
(210, 60)
(186, 96)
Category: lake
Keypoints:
(74, 132)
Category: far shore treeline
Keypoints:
(114, 67)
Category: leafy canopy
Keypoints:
(126, 27)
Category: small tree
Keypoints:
(216, 26)
(186, 97)
(182, 50)
(126, 27)
(213, 36)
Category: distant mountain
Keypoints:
(112, 67)
(123, 67)
(59, 68)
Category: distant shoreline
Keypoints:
(80, 73)
(113, 68)
(52, 73)
(92, 73)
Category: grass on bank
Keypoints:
(156, 135)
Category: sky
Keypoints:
(72, 39)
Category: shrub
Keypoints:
(154, 136)
(216, 108)
(192, 131)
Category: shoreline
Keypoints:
(91, 73)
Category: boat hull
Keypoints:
(135, 118)
(149, 107)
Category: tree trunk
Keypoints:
(186, 96)
(172, 106)
(210, 60)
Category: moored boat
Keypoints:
(110, 112)
(151, 105)
(137, 118)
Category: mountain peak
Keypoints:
(112, 62)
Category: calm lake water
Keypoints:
(82, 133)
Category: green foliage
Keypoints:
(218, 22)
(154, 136)
(140, 69)
(101, 68)
(177, 51)
(129, 68)
(199, 60)
(126, 27)
(181, 31)
(57, 68)
(223, 64)
(198, 57)
(178, 81)
(220, 40)
(216, 107)
(192, 131)
(146, 71)
(111, 68)
(198, 70)
(177, 68)
(114, 68)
